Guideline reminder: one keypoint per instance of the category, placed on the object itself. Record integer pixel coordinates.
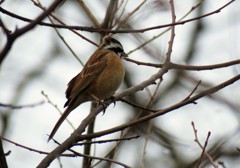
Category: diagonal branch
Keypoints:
(166, 110)
(76, 136)
(18, 32)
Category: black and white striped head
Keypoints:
(112, 44)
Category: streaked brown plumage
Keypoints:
(100, 78)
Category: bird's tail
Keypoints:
(59, 122)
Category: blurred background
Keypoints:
(40, 65)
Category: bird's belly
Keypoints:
(108, 82)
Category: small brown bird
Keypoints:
(99, 79)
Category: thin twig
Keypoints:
(137, 106)
(170, 46)
(56, 107)
(204, 152)
(31, 149)
(89, 13)
(121, 22)
(194, 89)
(187, 67)
(106, 141)
(21, 106)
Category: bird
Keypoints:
(99, 79)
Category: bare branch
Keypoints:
(92, 29)
(163, 111)
(194, 89)
(21, 106)
(106, 141)
(204, 152)
(169, 52)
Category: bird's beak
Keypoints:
(124, 55)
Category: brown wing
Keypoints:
(94, 66)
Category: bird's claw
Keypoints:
(113, 100)
(104, 105)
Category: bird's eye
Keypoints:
(117, 50)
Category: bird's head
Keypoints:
(114, 45)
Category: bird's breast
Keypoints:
(110, 79)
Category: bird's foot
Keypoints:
(113, 100)
(104, 105)
(100, 102)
